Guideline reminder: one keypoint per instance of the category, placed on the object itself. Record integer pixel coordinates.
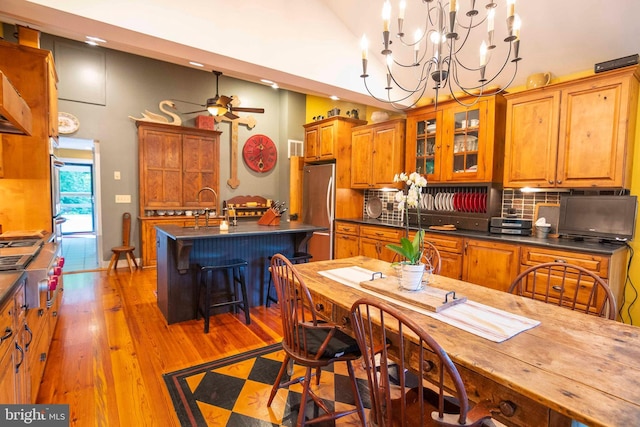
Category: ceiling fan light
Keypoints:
(216, 110)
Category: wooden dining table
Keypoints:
(572, 366)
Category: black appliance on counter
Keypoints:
(606, 218)
(514, 226)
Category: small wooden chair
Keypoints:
(311, 343)
(383, 334)
(126, 248)
(567, 285)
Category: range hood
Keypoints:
(15, 114)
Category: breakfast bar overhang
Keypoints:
(179, 247)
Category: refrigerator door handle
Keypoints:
(330, 212)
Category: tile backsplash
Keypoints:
(388, 216)
(523, 205)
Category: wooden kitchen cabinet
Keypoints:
(25, 167)
(577, 134)
(612, 268)
(323, 139)
(377, 154)
(373, 241)
(450, 249)
(491, 264)
(174, 164)
(346, 243)
(457, 143)
(14, 383)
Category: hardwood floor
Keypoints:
(112, 345)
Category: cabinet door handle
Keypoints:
(7, 334)
(26, 328)
(21, 358)
(559, 181)
(551, 181)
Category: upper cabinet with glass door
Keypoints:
(457, 143)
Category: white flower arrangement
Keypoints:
(410, 198)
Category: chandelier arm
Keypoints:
(388, 100)
(422, 81)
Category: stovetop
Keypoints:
(20, 243)
(16, 254)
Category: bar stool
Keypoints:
(297, 258)
(206, 273)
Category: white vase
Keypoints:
(411, 276)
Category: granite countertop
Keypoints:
(551, 243)
(244, 228)
(8, 280)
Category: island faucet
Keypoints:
(206, 211)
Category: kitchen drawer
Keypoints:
(347, 228)
(530, 255)
(559, 282)
(515, 409)
(445, 243)
(323, 306)
(384, 233)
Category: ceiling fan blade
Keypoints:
(248, 110)
(193, 112)
(224, 101)
(230, 115)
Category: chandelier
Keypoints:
(442, 53)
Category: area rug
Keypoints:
(234, 391)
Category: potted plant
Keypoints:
(411, 267)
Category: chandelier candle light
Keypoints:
(441, 52)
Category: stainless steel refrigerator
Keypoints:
(318, 207)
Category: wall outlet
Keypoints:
(123, 198)
(116, 175)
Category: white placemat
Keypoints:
(479, 319)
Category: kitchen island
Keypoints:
(179, 248)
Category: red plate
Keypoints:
(465, 202)
(456, 199)
(476, 202)
(483, 205)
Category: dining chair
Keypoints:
(385, 335)
(567, 285)
(125, 249)
(431, 257)
(310, 342)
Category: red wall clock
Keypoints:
(260, 153)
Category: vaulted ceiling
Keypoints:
(313, 46)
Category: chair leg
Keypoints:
(356, 393)
(114, 259)
(129, 261)
(133, 258)
(304, 398)
(207, 300)
(245, 301)
(276, 384)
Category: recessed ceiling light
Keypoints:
(269, 82)
(335, 98)
(92, 43)
(275, 86)
(197, 64)
(95, 39)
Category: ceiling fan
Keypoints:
(221, 105)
